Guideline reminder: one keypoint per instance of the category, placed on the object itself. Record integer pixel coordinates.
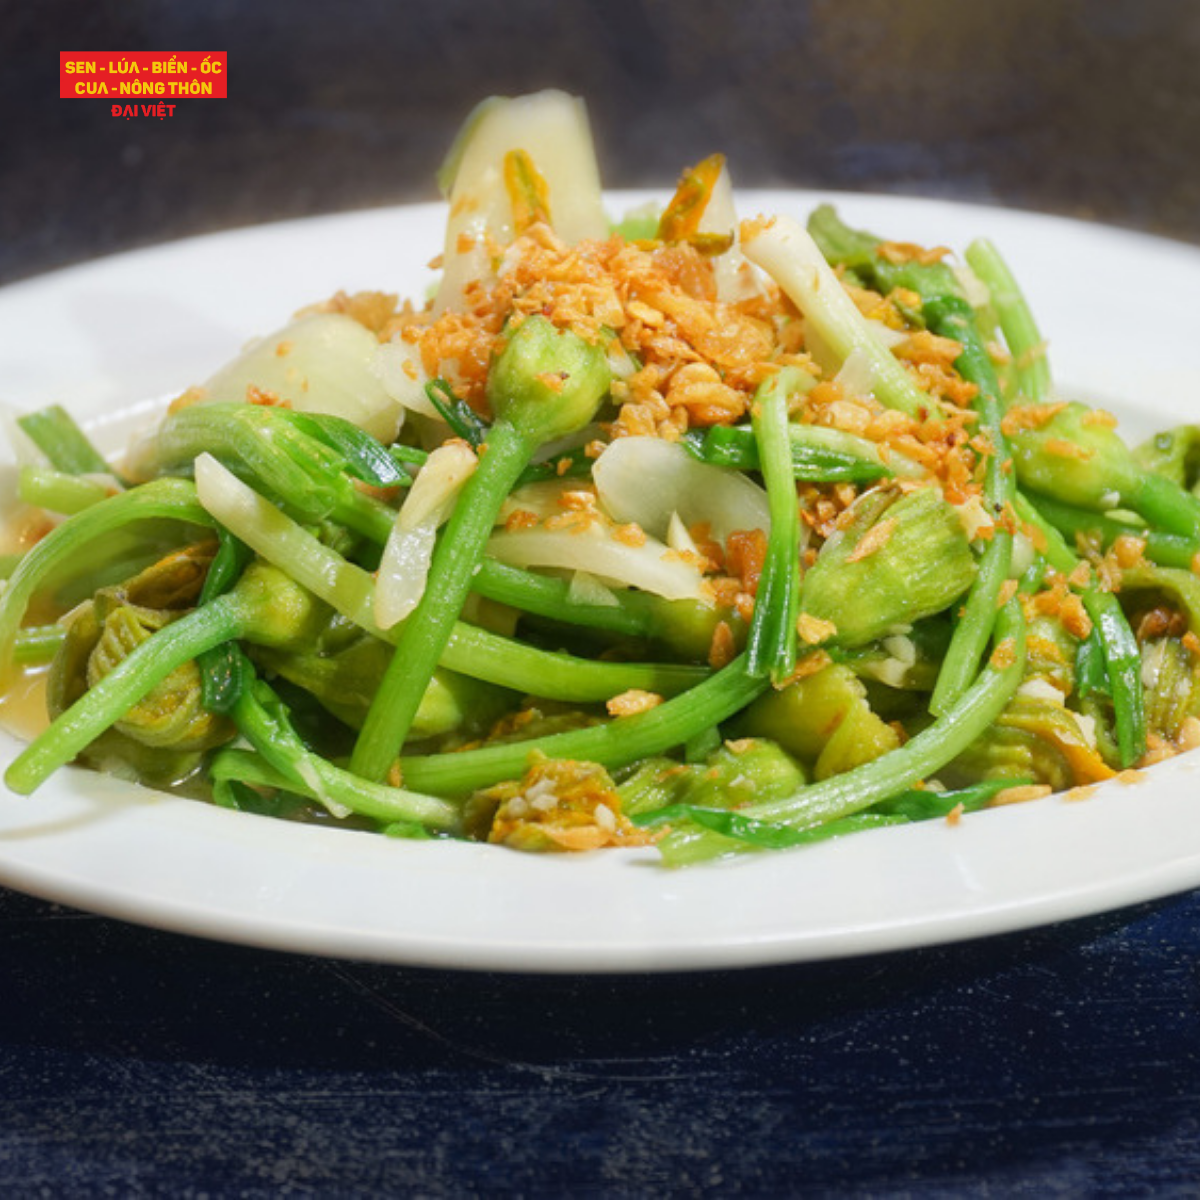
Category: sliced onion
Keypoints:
(403, 572)
(736, 277)
(857, 375)
(398, 368)
(644, 480)
(552, 128)
(322, 363)
(651, 566)
(678, 537)
(404, 567)
(587, 589)
(543, 499)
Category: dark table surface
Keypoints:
(1064, 1061)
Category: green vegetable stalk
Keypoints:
(67, 448)
(848, 794)
(771, 647)
(305, 459)
(349, 589)
(545, 383)
(71, 541)
(1165, 549)
(1077, 458)
(263, 720)
(947, 313)
(265, 607)
(1031, 368)
(59, 492)
(820, 454)
(1115, 640)
(615, 743)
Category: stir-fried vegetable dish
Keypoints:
(713, 534)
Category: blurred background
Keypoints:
(1068, 106)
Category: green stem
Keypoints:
(262, 720)
(54, 431)
(59, 492)
(819, 454)
(1122, 658)
(1166, 549)
(127, 683)
(1162, 502)
(771, 646)
(266, 446)
(613, 744)
(554, 675)
(37, 644)
(765, 835)
(428, 628)
(549, 596)
(974, 627)
(174, 498)
(1021, 333)
(952, 317)
(843, 795)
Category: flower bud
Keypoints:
(547, 382)
(1075, 456)
(899, 559)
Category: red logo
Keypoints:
(137, 75)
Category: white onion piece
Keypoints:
(886, 334)
(322, 363)
(620, 361)
(652, 566)
(644, 480)
(784, 249)
(404, 567)
(736, 278)
(678, 537)
(1041, 689)
(857, 375)
(552, 128)
(403, 573)
(271, 535)
(435, 490)
(542, 499)
(587, 589)
(398, 368)
(1087, 728)
(902, 648)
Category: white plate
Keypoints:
(1119, 310)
